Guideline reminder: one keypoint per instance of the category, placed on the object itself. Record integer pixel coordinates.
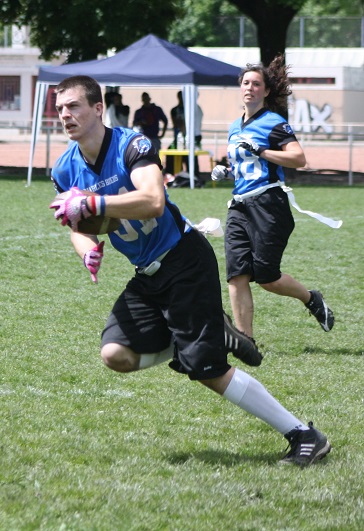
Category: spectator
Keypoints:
(122, 111)
(178, 119)
(116, 114)
(147, 120)
(198, 126)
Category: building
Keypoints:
(327, 84)
(19, 64)
(328, 87)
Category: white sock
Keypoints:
(149, 360)
(250, 395)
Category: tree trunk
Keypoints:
(272, 20)
(272, 35)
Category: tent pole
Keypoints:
(39, 100)
(190, 93)
(185, 68)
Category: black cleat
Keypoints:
(307, 446)
(240, 345)
(319, 309)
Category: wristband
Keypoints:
(102, 205)
(98, 205)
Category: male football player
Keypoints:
(172, 308)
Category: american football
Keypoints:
(94, 224)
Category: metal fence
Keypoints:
(325, 32)
(346, 142)
(345, 138)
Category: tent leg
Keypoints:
(190, 95)
(39, 101)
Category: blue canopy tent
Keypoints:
(149, 61)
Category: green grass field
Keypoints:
(84, 448)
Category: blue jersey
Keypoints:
(270, 131)
(142, 241)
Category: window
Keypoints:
(50, 106)
(10, 93)
(313, 80)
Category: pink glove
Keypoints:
(92, 260)
(72, 209)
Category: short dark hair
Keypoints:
(92, 88)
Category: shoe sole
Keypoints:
(328, 314)
(326, 326)
(317, 457)
(249, 353)
(321, 453)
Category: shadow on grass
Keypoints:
(229, 459)
(9, 173)
(221, 458)
(39, 174)
(334, 351)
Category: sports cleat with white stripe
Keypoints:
(240, 345)
(307, 446)
(319, 309)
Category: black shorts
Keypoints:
(256, 235)
(181, 301)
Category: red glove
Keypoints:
(92, 260)
(71, 209)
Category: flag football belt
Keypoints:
(239, 198)
(153, 267)
(334, 224)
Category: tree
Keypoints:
(205, 23)
(83, 29)
(200, 26)
(272, 18)
(343, 8)
(327, 24)
(215, 23)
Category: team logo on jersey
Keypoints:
(142, 144)
(288, 129)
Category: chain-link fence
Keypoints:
(325, 32)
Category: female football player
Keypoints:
(259, 221)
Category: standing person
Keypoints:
(122, 111)
(179, 124)
(198, 135)
(179, 136)
(259, 220)
(179, 128)
(148, 119)
(178, 119)
(116, 114)
(198, 126)
(108, 99)
(172, 307)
